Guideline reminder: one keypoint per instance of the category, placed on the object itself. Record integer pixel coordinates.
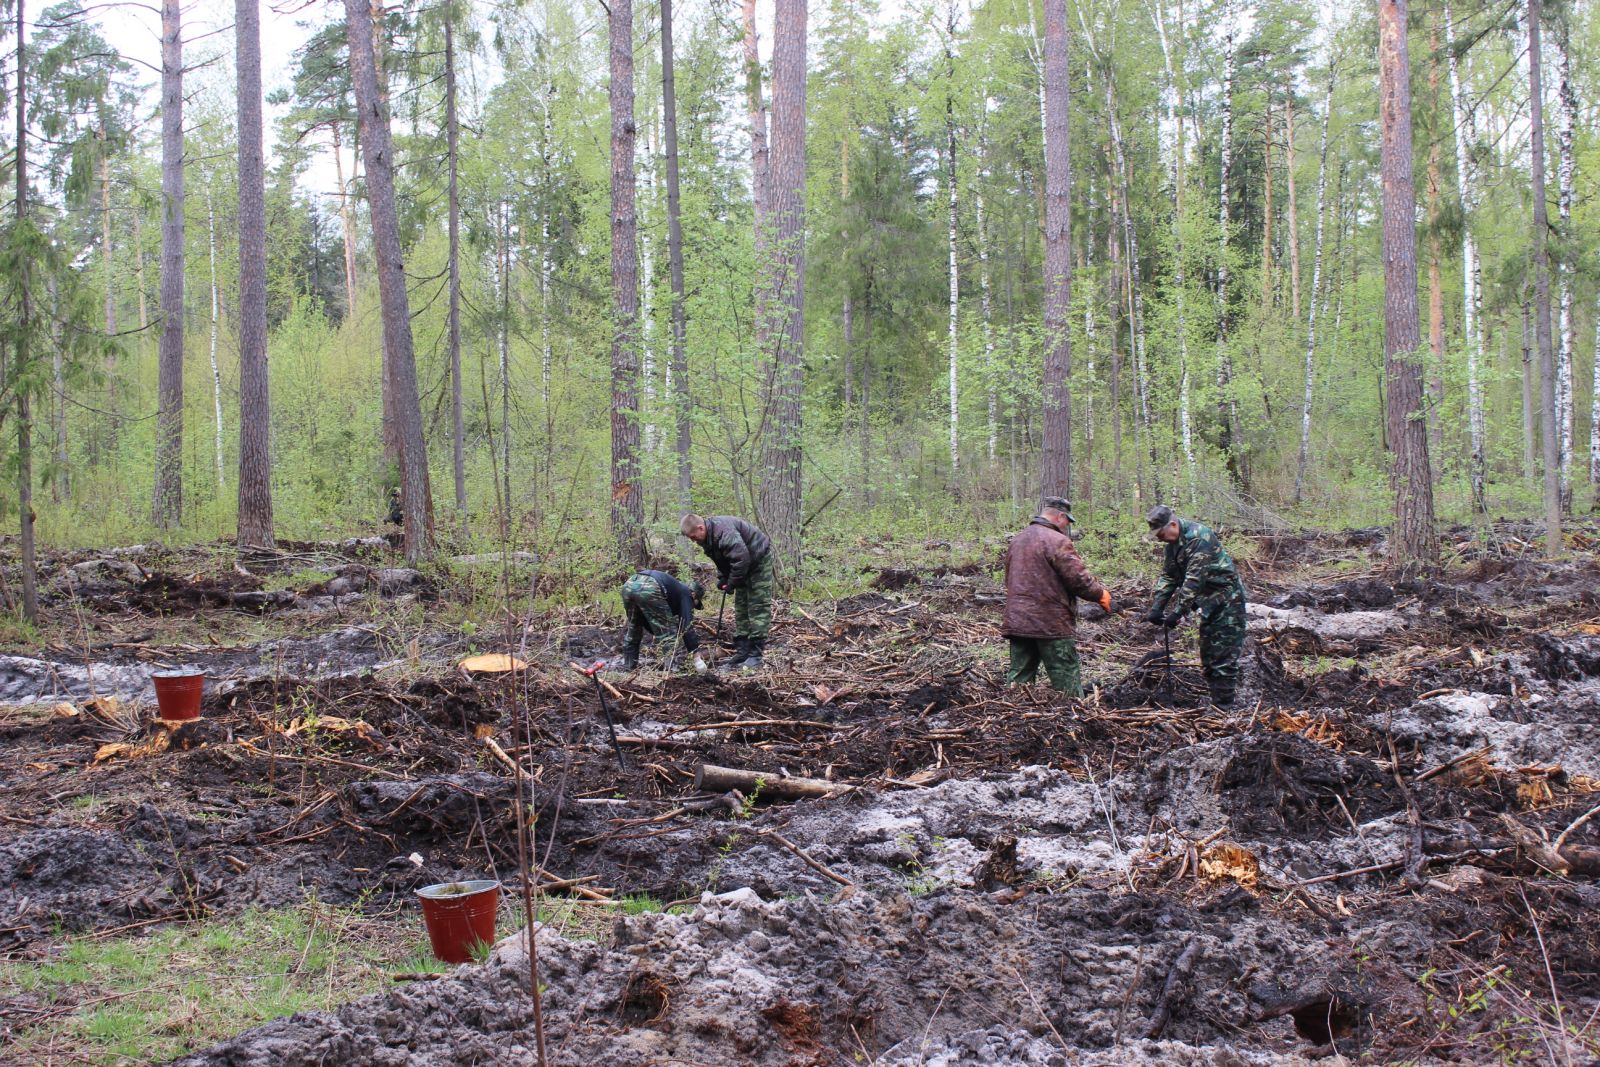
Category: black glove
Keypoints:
(723, 586)
(1171, 619)
(1153, 616)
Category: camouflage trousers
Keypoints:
(752, 603)
(1222, 629)
(648, 610)
(1058, 657)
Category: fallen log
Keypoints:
(709, 778)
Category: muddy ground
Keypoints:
(1378, 853)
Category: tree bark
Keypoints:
(1178, 178)
(1549, 427)
(1316, 279)
(255, 409)
(680, 347)
(1435, 268)
(1266, 212)
(627, 501)
(25, 517)
(755, 106)
(952, 217)
(452, 134)
(1471, 289)
(1529, 463)
(346, 223)
(393, 445)
(216, 315)
(1055, 467)
(61, 479)
(1224, 358)
(781, 481)
(378, 151)
(986, 311)
(168, 494)
(1566, 339)
(1414, 543)
(1294, 208)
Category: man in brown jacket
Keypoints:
(1045, 576)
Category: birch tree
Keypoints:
(1316, 280)
(1471, 286)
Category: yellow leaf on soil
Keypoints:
(158, 742)
(1228, 860)
(493, 663)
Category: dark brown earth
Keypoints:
(1359, 857)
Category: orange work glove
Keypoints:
(1105, 600)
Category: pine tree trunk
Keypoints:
(216, 314)
(785, 192)
(168, 494)
(1549, 427)
(452, 134)
(378, 151)
(1566, 329)
(503, 262)
(393, 445)
(680, 331)
(1316, 279)
(627, 502)
(1056, 459)
(255, 412)
(138, 274)
(1414, 542)
(647, 309)
(24, 310)
(1471, 289)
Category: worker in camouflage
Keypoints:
(396, 516)
(1199, 576)
(659, 604)
(743, 556)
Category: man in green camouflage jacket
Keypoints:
(1199, 576)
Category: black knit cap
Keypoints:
(1061, 504)
(1159, 516)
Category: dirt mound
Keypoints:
(800, 981)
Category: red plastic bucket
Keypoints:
(460, 917)
(178, 694)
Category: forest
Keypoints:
(357, 360)
(1203, 321)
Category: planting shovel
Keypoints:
(593, 674)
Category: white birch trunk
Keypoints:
(1316, 279)
(1175, 174)
(216, 374)
(1471, 293)
(986, 309)
(1224, 362)
(1567, 330)
(955, 280)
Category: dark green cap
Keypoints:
(1159, 516)
(1061, 504)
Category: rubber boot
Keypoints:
(630, 658)
(752, 659)
(741, 652)
(1222, 697)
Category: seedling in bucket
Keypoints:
(460, 917)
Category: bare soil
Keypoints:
(1365, 857)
